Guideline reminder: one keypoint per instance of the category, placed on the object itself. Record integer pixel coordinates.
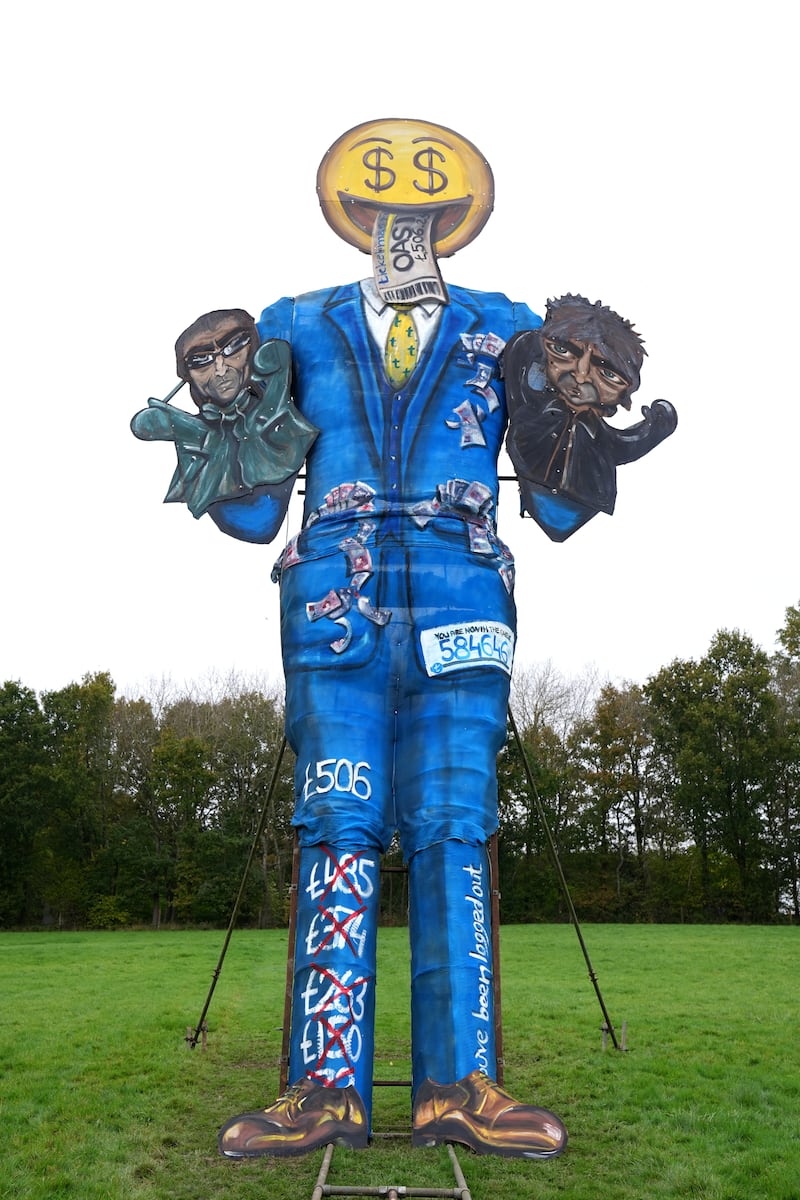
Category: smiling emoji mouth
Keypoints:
(448, 215)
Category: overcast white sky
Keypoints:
(160, 161)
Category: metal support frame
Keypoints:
(390, 1191)
(607, 1026)
(201, 1029)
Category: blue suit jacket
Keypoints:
(401, 444)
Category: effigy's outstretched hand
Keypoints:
(283, 430)
(661, 414)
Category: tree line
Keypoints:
(672, 800)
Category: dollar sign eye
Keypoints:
(383, 177)
(433, 180)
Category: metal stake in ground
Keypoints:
(561, 879)
(201, 1023)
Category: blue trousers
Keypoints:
(397, 725)
(396, 700)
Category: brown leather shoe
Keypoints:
(308, 1115)
(476, 1112)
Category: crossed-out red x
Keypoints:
(339, 926)
(339, 869)
(337, 1033)
(319, 1077)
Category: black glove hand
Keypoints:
(662, 414)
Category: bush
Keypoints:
(107, 913)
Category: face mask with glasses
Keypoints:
(200, 360)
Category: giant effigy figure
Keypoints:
(398, 629)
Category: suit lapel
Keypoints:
(428, 386)
(363, 373)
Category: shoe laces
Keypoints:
(293, 1092)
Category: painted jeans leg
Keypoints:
(452, 1010)
(333, 1009)
(333, 997)
(456, 1098)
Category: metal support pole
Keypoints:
(459, 1174)
(562, 881)
(200, 1024)
(319, 1187)
(288, 987)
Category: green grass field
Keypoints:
(101, 1097)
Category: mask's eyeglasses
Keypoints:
(197, 360)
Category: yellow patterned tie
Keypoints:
(402, 347)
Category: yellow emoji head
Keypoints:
(402, 164)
